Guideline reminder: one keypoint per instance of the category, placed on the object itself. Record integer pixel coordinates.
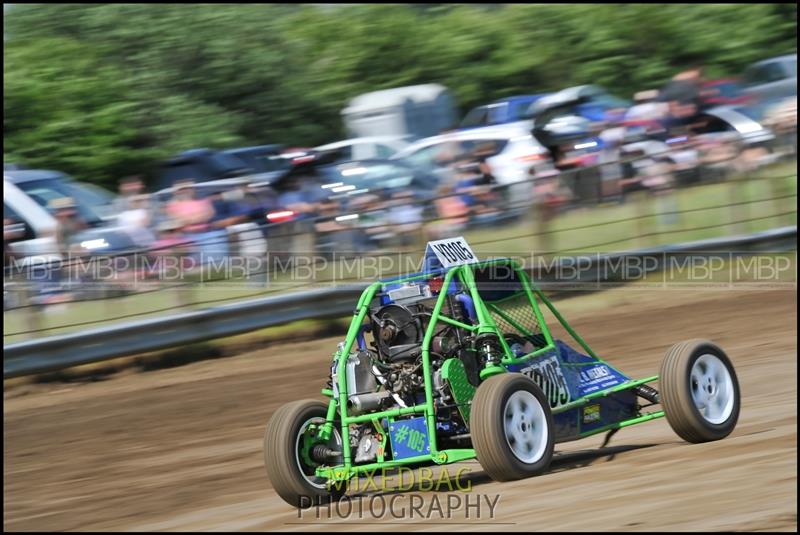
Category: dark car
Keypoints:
(507, 110)
(366, 204)
(323, 179)
(262, 158)
(201, 165)
(567, 115)
(383, 177)
(588, 101)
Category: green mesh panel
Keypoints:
(515, 315)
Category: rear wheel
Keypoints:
(291, 435)
(511, 427)
(699, 391)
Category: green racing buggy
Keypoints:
(455, 363)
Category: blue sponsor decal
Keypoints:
(598, 377)
(565, 374)
(409, 438)
(547, 373)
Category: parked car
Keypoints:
(345, 180)
(285, 225)
(365, 148)
(29, 201)
(503, 111)
(739, 119)
(724, 92)
(35, 228)
(718, 135)
(772, 79)
(44, 186)
(11, 166)
(331, 178)
(262, 158)
(201, 165)
(99, 199)
(587, 101)
(326, 179)
(564, 123)
(513, 152)
(568, 114)
(373, 204)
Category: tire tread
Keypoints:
(488, 441)
(676, 397)
(279, 452)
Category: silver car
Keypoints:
(772, 79)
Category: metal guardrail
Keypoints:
(94, 345)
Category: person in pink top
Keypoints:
(453, 212)
(191, 214)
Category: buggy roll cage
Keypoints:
(485, 313)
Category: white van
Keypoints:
(415, 111)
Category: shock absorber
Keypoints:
(648, 392)
(489, 349)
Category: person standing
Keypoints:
(69, 223)
(193, 217)
(68, 226)
(136, 221)
(612, 138)
(683, 97)
(129, 189)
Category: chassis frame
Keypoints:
(485, 325)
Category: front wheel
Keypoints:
(699, 391)
(289, 442)
(511, 427)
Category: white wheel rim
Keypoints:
(712, 389)
(336, 439)
(525, 426)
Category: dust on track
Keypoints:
(180, 449)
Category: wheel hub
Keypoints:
(525, 426)
(307, 440)
(712, 389)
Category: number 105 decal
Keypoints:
(547, 375)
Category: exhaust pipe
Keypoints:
(362, 403)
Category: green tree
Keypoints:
(107, 90)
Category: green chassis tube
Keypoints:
(486, 324)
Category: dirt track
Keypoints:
(180, 449)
